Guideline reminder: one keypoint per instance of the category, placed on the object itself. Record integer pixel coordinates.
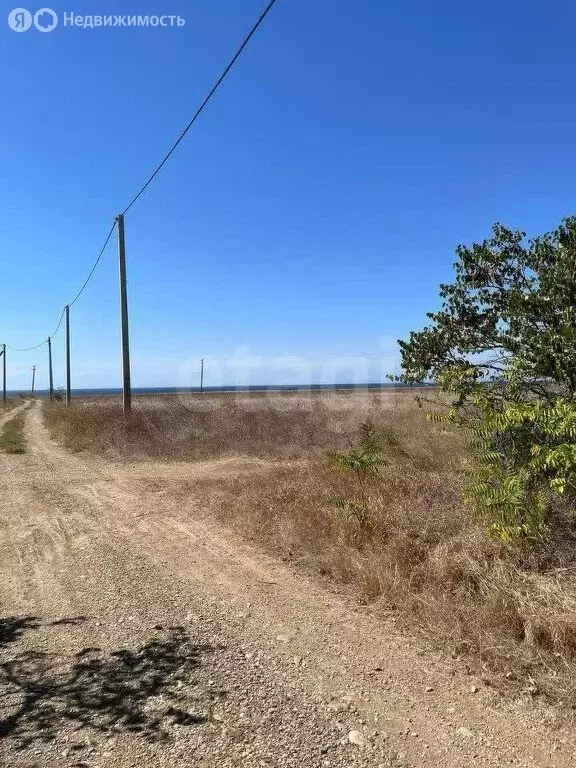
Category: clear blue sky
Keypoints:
(313, 209)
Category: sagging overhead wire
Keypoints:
(159, 167)
(200, 109)
(26, 349)
(85, 283)
(59, 324)
(74, 300)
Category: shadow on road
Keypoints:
(128, 690)
(13, 627)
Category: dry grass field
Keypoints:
(11, 435)
(11, 402)
(418, 552)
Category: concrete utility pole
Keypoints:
(202, 376)
(68, 385)
(50, 376)
(4, 373)
(33, 379)
(126, 383)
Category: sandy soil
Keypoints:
(136, 632)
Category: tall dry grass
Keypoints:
(270, 425)
(11, 402)
(12, 435)
(423, 556)
(425, 559)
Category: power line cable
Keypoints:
(172, 149)
(26, 349)
(59, 324)
(202, 106)
(85, 283)
(75, 299)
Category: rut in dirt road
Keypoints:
(134, 631)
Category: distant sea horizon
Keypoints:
(111, 391)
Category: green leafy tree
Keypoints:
(503, 344)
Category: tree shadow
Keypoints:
(13, 627)
(134, 691)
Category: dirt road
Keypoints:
(135, 632)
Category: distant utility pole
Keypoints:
(33, 379)
(202, 376)
(126, 383)
(68, 385)
(50, 376)
(3, 373)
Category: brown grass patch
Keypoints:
(12, 435)
(11, 402)
(425, 559)
(274, 425)
(423, 555)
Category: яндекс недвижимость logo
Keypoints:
(21, 20)
(46, 19)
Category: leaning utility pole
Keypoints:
(202, 376)
(68, 386)
(126, 384)
(4, 373)
(50, 376)
(33, 379)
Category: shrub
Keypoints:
(363, 462)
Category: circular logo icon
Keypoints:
(45, 20)
(20, 20)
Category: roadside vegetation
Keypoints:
(400, 536)
(385, 518)
(456, 512)
(11, 402)
(12, 435)
(274, 426)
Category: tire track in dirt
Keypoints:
(4, 419)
